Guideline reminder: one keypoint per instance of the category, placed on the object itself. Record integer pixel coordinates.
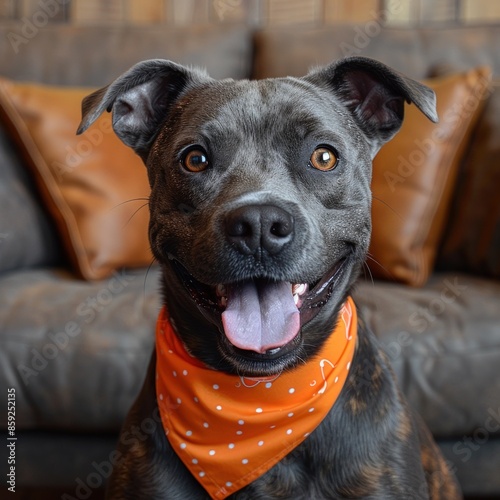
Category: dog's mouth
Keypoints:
(262, 318)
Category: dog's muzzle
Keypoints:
(262, 316)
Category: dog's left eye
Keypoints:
(195, 160)
(323, 159)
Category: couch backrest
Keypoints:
(96, 55)
(418, 52)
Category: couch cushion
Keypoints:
(472, 240)
(95, 187)
(443, 341)
(75, 351)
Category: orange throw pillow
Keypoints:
(414, 177)
(94, 186)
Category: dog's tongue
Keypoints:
(260, 315)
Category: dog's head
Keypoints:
(260, 197)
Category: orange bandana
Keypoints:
(229, 430)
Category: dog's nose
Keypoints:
(253, 228)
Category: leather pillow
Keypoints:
(414, 176)
(472, 241)
(95, 187)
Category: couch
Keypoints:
(75, 340)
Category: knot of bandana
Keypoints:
(229, 430)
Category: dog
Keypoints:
(264, 383)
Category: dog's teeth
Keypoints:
(223, 301)
(299, 289)
(296, 298)
(273, 351)
(220, 290)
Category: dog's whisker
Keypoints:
(153, 260)
(141, 198)
(366, 269)
(301, 359)
(151, 264)
(387, 271)
(135, 213)
(392, 209)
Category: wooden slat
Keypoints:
(8, 9)
(401, 12)
(146, 11)
(97, 11)
(432, 11)
(188, 12)
(42, 13)
(293, 11)
(351, 11)
(242, 11)
(477, 11)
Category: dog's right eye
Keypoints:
(323, 159)
(195, 160)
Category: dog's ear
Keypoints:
(375, 95)
(140, 100)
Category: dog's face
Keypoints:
(260, 198)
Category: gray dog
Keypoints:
(264, 384)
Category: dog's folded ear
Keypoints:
(140, 100)
(375, 94)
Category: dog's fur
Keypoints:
(212, 227)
